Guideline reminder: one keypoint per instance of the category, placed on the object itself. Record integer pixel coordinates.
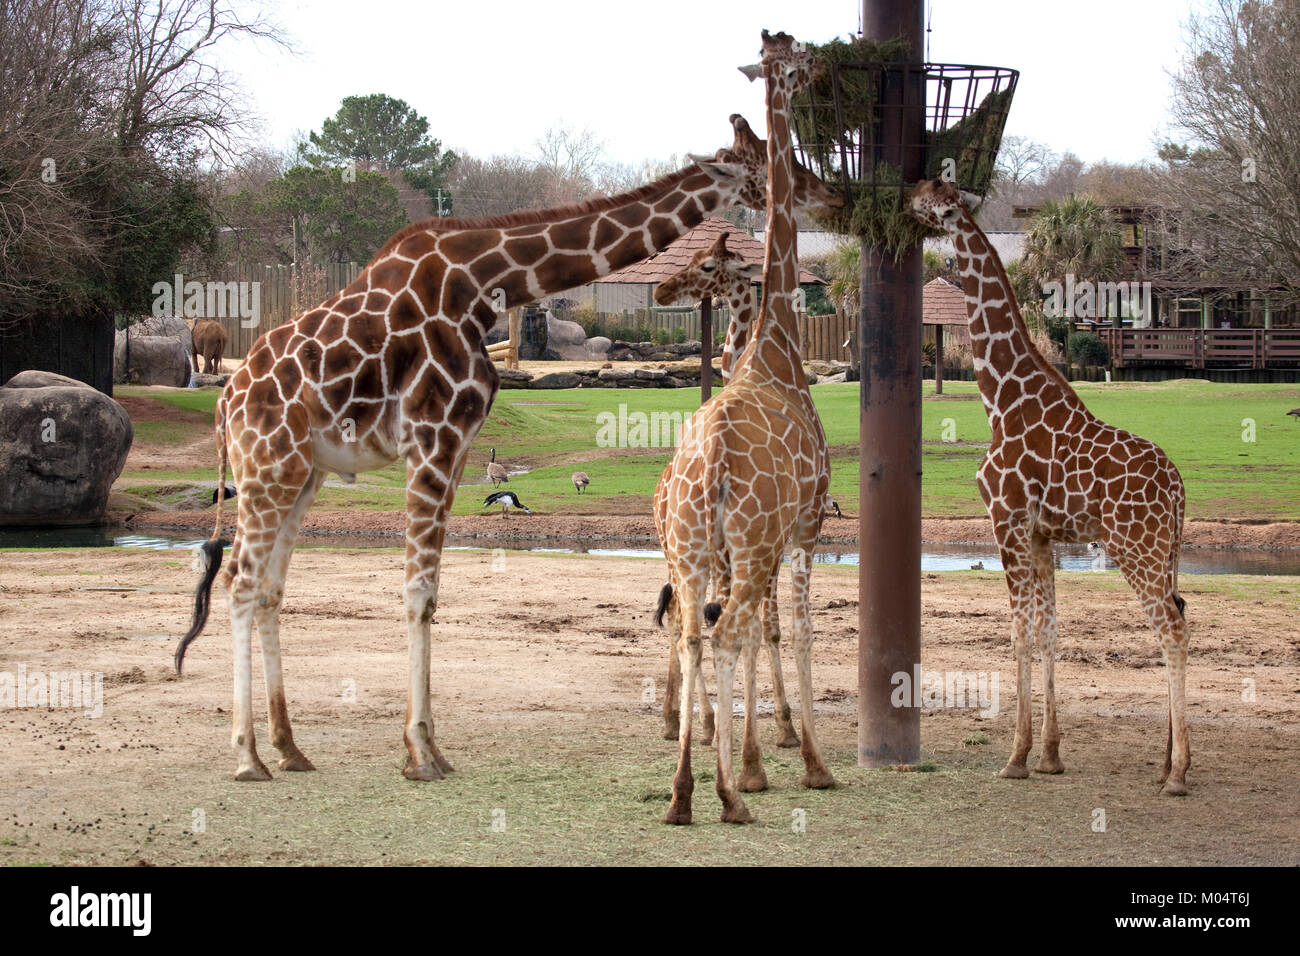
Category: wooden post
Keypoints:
(889, 523)
(938, 359)
(706, 350)
(513, 360)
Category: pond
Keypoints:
(935, 556)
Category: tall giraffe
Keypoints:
(1054, 472)
(716, 271)
(745, 482)
(394, 367)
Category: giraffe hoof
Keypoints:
(752, 782)
(1053, 765)
(818, 780)
(422, 771)
(737, 813)
(254, 772)
(296, 761)
(1174, 788)
(1014, 771)
(443, 763)
(677, 815)
(790, 739)
(671, 731)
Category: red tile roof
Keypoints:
(675, 256)
(943, 303)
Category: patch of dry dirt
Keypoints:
(547, 681)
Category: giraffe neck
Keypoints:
(480, 268)
(740, 303)
(774, 350)
(1000, 341)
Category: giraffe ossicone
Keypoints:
(1055, 472)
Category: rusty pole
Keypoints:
(706, 349)
(889, 527)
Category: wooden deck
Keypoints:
(1203, 348)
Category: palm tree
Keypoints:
(1073, 236)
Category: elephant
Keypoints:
(209, 342)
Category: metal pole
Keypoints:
(706, 349)
(889, 526)
(938, 359)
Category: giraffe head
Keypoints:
(717, 271)
(748, 151)
(940, 204)
(786, 63)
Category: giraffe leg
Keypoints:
(816, 775)
(267, 616)
(1017, 560)
(772, 640)
(752, 776)
(729, 634)
(689, 593)
(1154, 587)
(673, 693)
(428, 501)
(1045, 626)
(263, 505)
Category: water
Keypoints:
(934, 556)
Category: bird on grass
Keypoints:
(1296, 413)
(229, 496)
(581, 480)
(507, 500)
(833, 505)
(496, 473)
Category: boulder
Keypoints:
(167, 327)
(204, 381)
(557, 380)
(616, 375)
(513, 378)
(649, 374)
(62, 445)
(598, 347)
(155, 360)
(684, 348)
(562, 332)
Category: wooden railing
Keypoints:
(1203, 348)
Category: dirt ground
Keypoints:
(548, 678)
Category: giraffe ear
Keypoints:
(723, 173)
(750, 270)
(754, 71)
(971, 201)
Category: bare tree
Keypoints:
(1234, 180)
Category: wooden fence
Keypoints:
(279, 289)
(1203, 348)
(825, 337)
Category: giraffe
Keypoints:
(716, 271)
(745, 483)
(1054, 472)
(394, 367)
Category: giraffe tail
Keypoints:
(211, 552)
(665, 599)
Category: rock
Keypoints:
(167, 327)
(607, 365)
(206, 381)
(62, 445)
(155, 360)
(598, 346)
(557, 380)
(616, 375)
(833, 379)
(684, 348)
(649, 374)
(563, 332)
(514, 378)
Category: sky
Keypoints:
(658, 79)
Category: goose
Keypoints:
(833, 505)
(1296, 413)
(229, 496)
(581, 480)
(507, 500)
(497, 473)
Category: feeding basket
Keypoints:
(851, 126)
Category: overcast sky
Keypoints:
(659, 78)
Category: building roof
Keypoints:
(677, 254)
(942, 303)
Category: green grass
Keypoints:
(1200, 425)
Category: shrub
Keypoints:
(1086, 349)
